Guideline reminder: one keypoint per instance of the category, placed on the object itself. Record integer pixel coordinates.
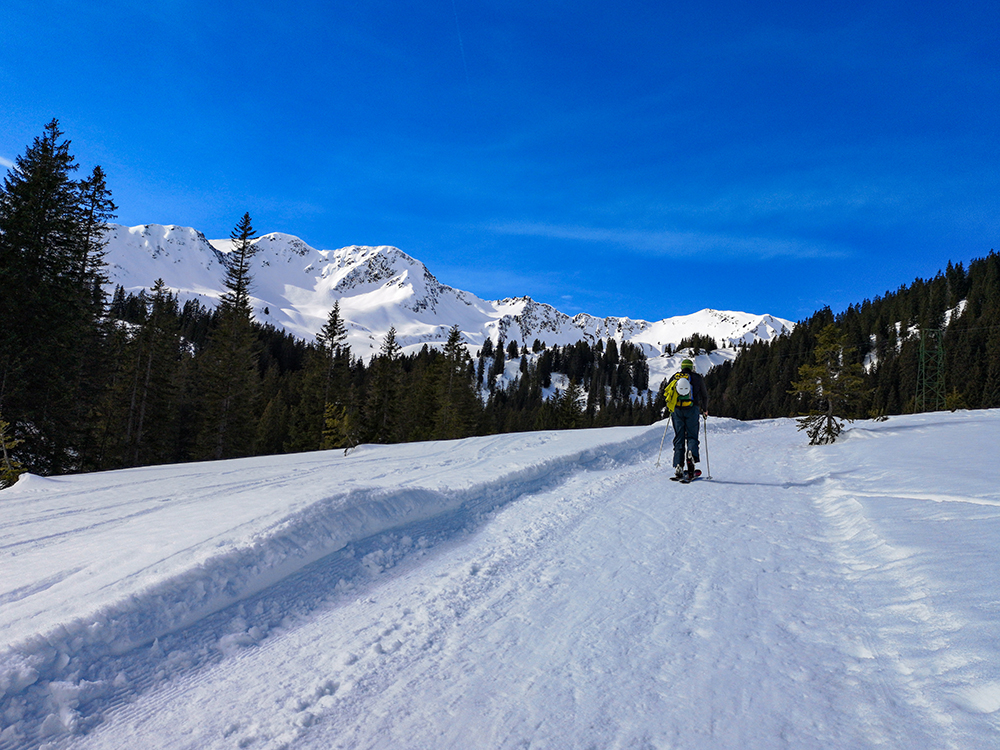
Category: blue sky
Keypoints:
(628, 158)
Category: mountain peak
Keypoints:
(378, 287)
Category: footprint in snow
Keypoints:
(385, 650)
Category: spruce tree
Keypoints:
(497, 367)
(51, 300)
(338, 431)
(569, 413)
(830, 387)
(96, 210)
(324, 382)
(383, 413)
(332, 340)
(422, 385)
(457, 399)
(272, 427)
(152, 423)
(228, 367)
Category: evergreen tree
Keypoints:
(272, 427)
(96, 210)
(94, 364)
(457, 399)
(336, 357)
(10, 469)
(325, 381)
(831, 388)
(332, 338)
(698, 342)
(138, 414)
(498, 365)
(546, 365)
(338, 430)
(228, 371)
(51, 300)
(569, 413)
(383, 415)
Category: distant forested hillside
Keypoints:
(951, 323)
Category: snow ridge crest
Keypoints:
(382, 287)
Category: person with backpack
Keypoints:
(687, 399)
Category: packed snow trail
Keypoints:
(836, 597)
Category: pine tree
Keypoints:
(831, 387)
(324, 382)
(457, 397)
(383, 414)
(228, 367)
(51, 300)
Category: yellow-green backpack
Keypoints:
(678, 391)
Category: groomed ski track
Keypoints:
(802, 598)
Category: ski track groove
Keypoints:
(885, 589)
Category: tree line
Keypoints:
(294, 395)
(958, 312)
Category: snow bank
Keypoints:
(98, 565)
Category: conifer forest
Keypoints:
(92, 381)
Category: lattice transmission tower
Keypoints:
(930, 375)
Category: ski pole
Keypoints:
(661, 444)
(708, 464)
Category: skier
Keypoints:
(686, 397)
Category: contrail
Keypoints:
(461, 47)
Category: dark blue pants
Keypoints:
(685, 420)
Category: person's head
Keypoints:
(687, 365)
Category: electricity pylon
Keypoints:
(930, 376)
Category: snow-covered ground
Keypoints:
(545, 590)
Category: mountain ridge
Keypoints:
(378, 287)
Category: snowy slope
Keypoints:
(532, 590)
(295, 287)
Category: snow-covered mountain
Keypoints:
(295, 287)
